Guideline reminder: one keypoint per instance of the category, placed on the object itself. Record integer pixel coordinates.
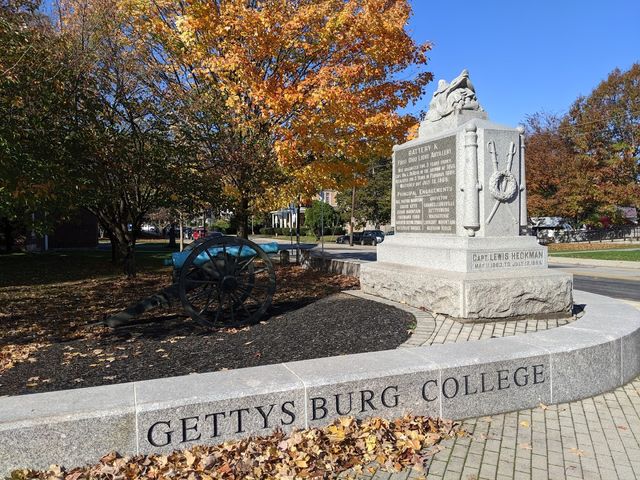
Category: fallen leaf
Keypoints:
(577, 451)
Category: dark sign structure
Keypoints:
(425, 187)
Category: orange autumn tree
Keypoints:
(586, 164)
(299, 93)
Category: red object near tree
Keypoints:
(199, 232)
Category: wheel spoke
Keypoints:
(206, 306)
(249, 295)
(205, 282)
(231, 310)
(242, 305)
(247, 263)
(220, 308)
(226, 259)
(238, 258)
(212, 260)
(198, 294)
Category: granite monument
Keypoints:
(460, 214)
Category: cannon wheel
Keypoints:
(224, 289)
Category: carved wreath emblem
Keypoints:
(503, 186)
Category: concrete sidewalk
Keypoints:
(555, 260)
(594, 438)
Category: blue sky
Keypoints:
(525, 57)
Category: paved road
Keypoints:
(616, 282)
(622, 289)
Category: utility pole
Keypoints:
(353, 208)
(298, 232)
(181, 231)
(322, 224)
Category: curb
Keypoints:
(592, 355)
(593, 262)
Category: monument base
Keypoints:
(471, 295)
(463, 254)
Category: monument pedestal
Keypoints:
(470, 296)
(470, 278)
(459, 206)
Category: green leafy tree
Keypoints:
(373, 196)
(128, 157)
(37, 181)
(319, 217)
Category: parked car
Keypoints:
(198, 232)
(357, 237)
(372, 237)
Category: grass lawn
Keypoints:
(303, 239)
(586, 246)
(613, 254)
(69, 266)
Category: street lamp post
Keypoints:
(322, 224)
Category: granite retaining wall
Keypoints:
(597, 353)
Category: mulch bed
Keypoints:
(50, 342)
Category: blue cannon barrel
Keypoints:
(178, 258)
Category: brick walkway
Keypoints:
(595, 438)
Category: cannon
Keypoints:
(223, 281)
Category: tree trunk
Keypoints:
(128, 251)
(115, 251)
(242, 217)
(8, 235)
(123, 239)
(172, 236)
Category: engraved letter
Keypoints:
(395, 397)
(484, 389)
(525, 376)
(186, 429)
(366, 401)
(537, 370)
(466, 386)
(503, 378)
(215, 421)
(265, 416)
(338, 404)
(167, 434)
(288, 412)
(239, 411)
(315, 408)
(424, 390)
(444, 387)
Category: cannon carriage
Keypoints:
(222, 281)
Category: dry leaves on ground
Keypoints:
(34, 316)
(346, 444)
(14, 353)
